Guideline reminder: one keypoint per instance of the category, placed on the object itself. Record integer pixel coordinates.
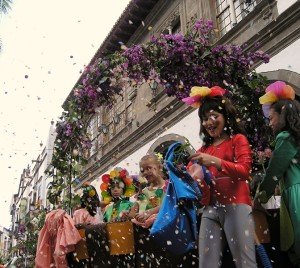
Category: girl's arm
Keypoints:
(282, 156)
(102, 204)
(239, 168)
(134, 210)
(142, 216)
(239, 165)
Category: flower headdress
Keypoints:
(139, 181)
(118, 177)
(88, 190)
(275, 92)
(89, 198)
(198, 93)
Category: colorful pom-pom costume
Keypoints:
(121, 179)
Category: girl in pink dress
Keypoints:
(88, 213)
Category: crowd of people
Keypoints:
(227, 203)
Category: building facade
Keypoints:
(5, 242)
(144, 120)
(32, 191)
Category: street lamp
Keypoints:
(116, 119)
(153, 85)
(104, 129)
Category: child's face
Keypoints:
(116, 191)
(274, 120)
(151, 170)
(214, 123)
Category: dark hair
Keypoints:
(116, 182)
(224, 106)
(289, 117)
(90, 199)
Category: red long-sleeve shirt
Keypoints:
(231, 183)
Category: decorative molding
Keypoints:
(166, 139)
(132, 142)
(169, 21)
(183, 15)
(291, 78)
(132, 95)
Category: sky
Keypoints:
(45, 45)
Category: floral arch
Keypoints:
(176, 62)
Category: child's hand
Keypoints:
(123, 215)
(142, 216)
(206, 160)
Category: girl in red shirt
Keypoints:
(227, 215)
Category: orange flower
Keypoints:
(104, 186)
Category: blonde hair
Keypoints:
(151, 157)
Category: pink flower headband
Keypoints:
(198, 93)
(275, 92)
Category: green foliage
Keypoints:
(32, 232)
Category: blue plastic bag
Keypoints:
(176, 225)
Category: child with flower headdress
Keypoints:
(226, 153)
(88, 213)
(116, 189)
(145, 209)
(283, 111)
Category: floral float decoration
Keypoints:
(177, 62)
(119, 177)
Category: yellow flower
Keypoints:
(92, 193)
(159, 156)
(200, 91)
(129, 193)
(107, 199)
(114, 174)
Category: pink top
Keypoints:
(57, 238)
(82, 216)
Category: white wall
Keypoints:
(188, 127)
(284, 4)
(288, 59)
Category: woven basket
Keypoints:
(81, 248)
(261, 226)
(121, 237)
